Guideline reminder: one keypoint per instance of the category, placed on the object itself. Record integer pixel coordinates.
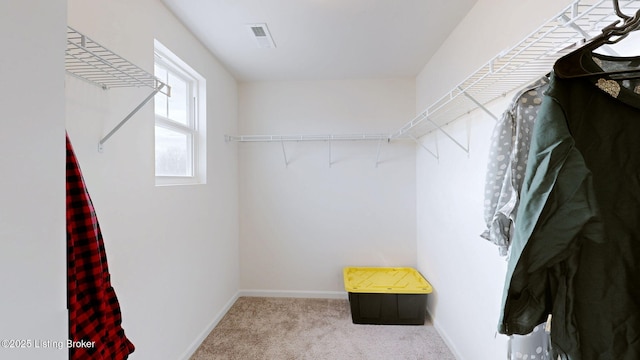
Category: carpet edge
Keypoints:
(195, 345)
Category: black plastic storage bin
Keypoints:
(386, 296)
(388, 309)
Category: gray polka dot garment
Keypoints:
(507, 163)
(508, 155)
(533, 346)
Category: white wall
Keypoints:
(172, 250)
(302, 223)
(32, 193)
(464, 269)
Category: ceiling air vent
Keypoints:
(261, 34)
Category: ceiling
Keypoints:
(322, 39)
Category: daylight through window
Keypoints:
(178, 131)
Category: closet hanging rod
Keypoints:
(89, 61)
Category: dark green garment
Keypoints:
(576, 247)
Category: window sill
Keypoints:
(178, 180)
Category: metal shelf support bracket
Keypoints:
(466, 149)
(378, 152)
(284, 153)
(435, 155)
(481, 106)
(133, 112)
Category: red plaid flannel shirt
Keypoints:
(94, 311)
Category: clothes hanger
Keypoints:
(570, 65)
(623, 16)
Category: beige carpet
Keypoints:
(320, 329)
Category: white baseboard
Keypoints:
(294, 294)
(444, 336)
(198, 341)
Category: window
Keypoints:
(179, 130)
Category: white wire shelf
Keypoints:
(92, 62)
(527, 61)
(281, 138)
(87, 60)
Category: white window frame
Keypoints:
(195, 128)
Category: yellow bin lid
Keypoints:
(387, 280)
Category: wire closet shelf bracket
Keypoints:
(92, 62)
